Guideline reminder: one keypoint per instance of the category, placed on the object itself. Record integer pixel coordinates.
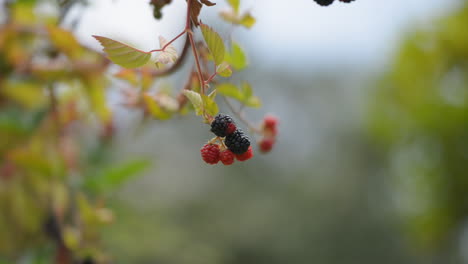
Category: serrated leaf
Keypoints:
(169, 55)
(236, 58)
(247, 20)
(208, 3)
(215, 43)
(123, 54)
(196, 100)
(211, 107)
(224, 70)
(154, 109)
(234, 4)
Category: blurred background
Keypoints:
(371, 164)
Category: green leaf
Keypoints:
(224, 70)
(215, 43)
(243, 95)
(65, 41)
(235, 5)
(116, 175)
(230, 90)
(196, 100)
(211, 107)
(247, 89)
(236, 58)
(247, 20)
(122, 54)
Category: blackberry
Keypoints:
(237, 142)
(347, 1)
(223, 125)
(324, 2)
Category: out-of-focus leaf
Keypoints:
(128, 75)
(29, 94)
(116, 175)
(65, 42)
(247, 20)
(96, 88)
(169, 55)
(196, 100)
(236, 58)
(211, 107)
(230, 90)
(243, 95)
(224, 70)
(215, 43)
(235, 5)
(154, 109)
(123, 54)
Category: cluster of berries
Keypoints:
(233, 143)
(329, 2)
(270, 131)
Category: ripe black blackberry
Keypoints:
(223, 125)
(347, 1)
(324, 2)
(237, 142)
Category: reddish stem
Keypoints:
(170, 42)
(211, 78)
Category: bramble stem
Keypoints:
(210, 78)
(170, 42)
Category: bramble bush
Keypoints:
(56, 125)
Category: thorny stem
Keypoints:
(239, 114)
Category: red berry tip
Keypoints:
(266, 145)
(231, 128)
(246, 155)
(270, 122)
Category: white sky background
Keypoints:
(291, 33)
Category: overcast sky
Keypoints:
(294, 32)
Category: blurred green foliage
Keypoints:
(419, 119)
(52, 174)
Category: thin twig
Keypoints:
(240, 116)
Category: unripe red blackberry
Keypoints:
(270, 125)
(210, 153)
(324, 2)
(227, 157)
(223, 125)
(246, 155)
(266, 144)
(237, 142)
